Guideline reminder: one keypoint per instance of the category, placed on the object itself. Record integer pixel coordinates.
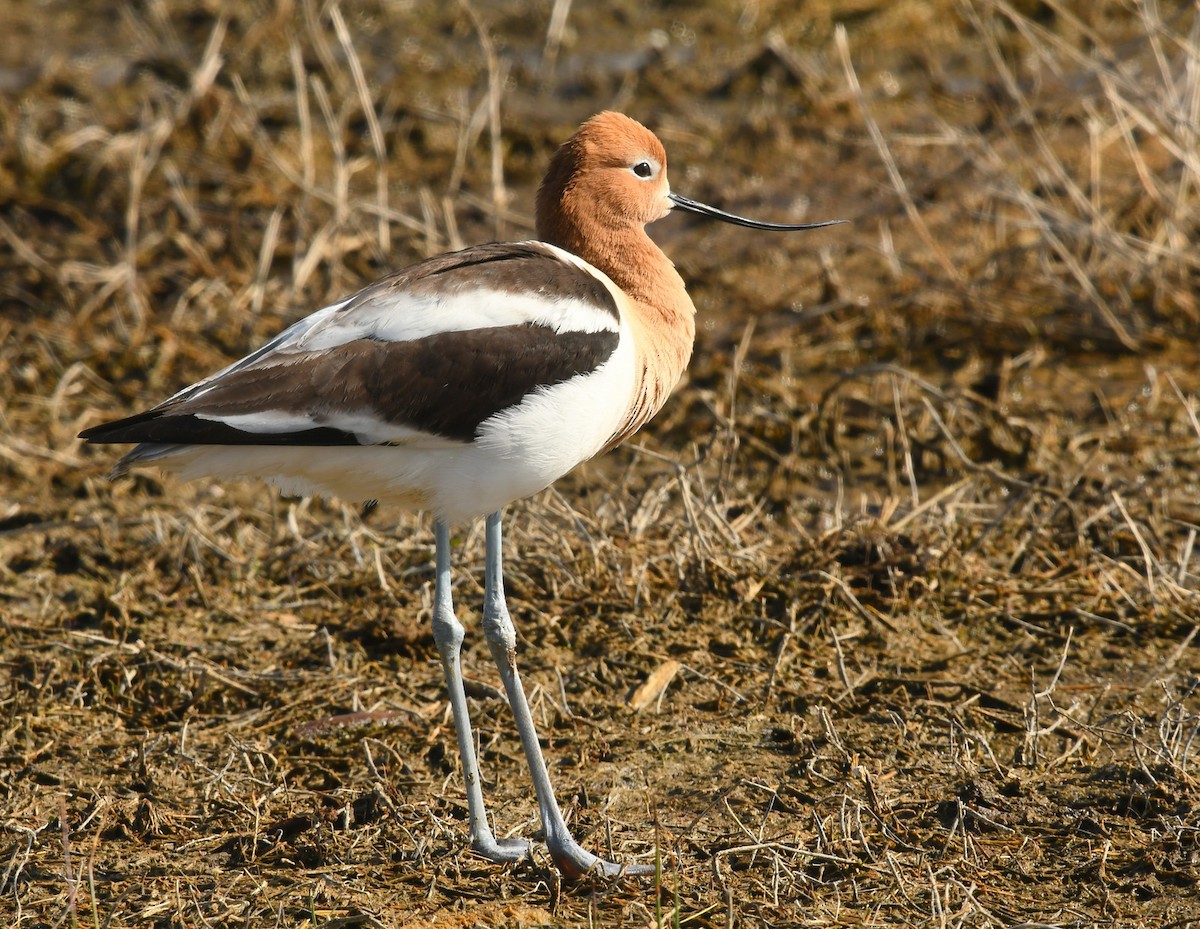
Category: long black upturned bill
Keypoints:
(693, 206)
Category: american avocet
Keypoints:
(461, 384)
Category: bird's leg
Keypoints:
(501, 635)
(448, 634)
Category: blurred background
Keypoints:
(912, 547)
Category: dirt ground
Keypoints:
(890, 618)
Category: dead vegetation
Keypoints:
(903, 581)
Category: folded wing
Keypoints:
(426, 354)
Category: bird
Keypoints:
(460, 384)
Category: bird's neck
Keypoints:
(636, 265)
(648, 277)
(662, 318)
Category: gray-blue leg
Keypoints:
(448, 634)
(501, 635)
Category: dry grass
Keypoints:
(903, 582)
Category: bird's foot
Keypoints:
(501, 851)
(576, 862)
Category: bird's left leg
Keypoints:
(448, 634)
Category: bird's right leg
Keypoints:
(572, 859)
(448, 634)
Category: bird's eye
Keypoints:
(643, 169)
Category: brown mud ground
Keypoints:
(917, 535)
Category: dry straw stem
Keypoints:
(368, 108)
(894, 175)
(495, 83)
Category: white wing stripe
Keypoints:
(400, 317)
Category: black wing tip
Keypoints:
(117, 431)
(96, 435)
